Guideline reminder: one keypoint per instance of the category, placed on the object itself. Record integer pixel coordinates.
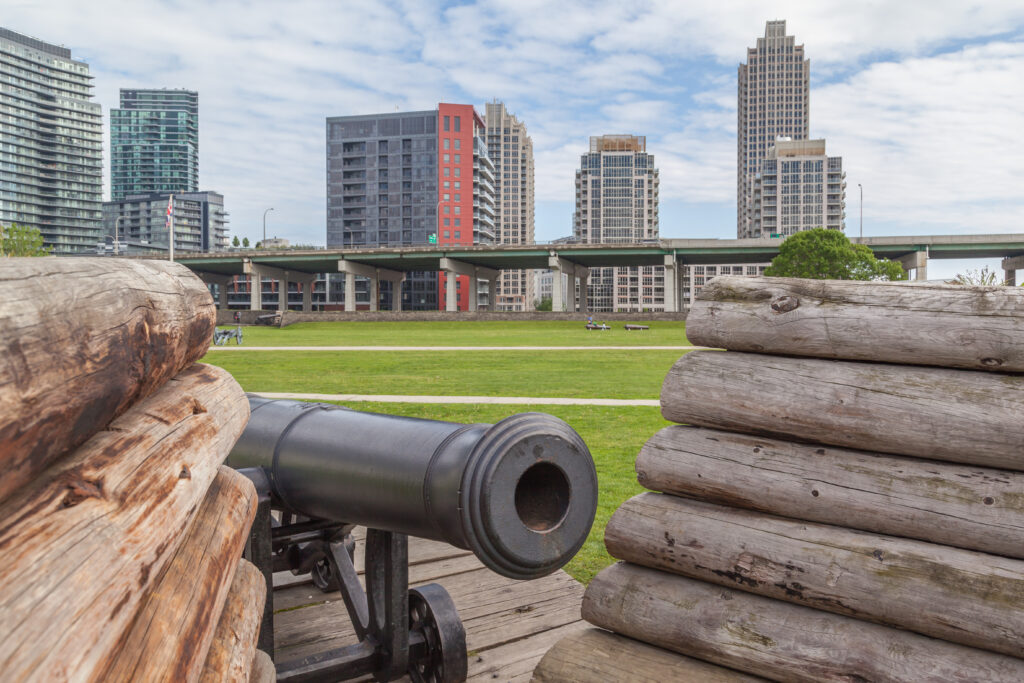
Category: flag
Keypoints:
(170, 212)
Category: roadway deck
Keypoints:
(509, 624)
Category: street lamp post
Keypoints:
(265, 225)
(861, 211)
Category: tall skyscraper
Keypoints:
(798, 188)
(773, 101)
(411, 178)
(51, 144)
(511, 150)
(154, 143)
(617, 202)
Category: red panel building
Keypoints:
(465, 189)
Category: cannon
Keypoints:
(521, 494)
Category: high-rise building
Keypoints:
(617, 202)
(773, 101)
(154, 142)
(410, 178)
(51, 156)
(511, 150)
(798, 188)
(138, 223)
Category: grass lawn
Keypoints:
(580, 374)
(498, 333)
(614, 436)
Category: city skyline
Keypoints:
(919, 100)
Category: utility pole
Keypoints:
(861, 212)
(265, 226)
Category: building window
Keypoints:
(458, 184)
(447, 159)
(447, 222)
(458, 235)
(447, 143)
(448, 123)
(458, 143)
(446, 197)
(458, 222)
(458, 171)
(458, 124)
(447, 233)
(448, 171)
(457, 197)
(458, 158)
(458, 209)
(448, 209)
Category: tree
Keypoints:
(235, 241)
(21, 240)
(245, 242)
(983, 278)
(544, 304)
(822, 254)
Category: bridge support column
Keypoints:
(572, 270)
(1010, 267)
(258, 271)
(352, 269)
(671, 286)
(916, 261)
(452, 269)
(584, 282)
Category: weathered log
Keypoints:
(234, 641)
(262, 669)
(596, 656)
(955, 415)
(83, 339)
(966, 507)
(171, 635)
(958, 595)
(776, 639)
(979, 328)
(83, 543)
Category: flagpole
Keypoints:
(170, 227)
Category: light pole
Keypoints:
(265, 226)
(861, 212)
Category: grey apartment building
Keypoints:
(51, 154)
(511, 151)
(154, 142)
(617, 202)
(405, 179)
(138, 223)
(799, 187)
(773, 101)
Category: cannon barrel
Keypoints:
(521, 493)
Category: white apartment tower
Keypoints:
(773, 102)
(617, 202)
(511, 151)
(798, 188)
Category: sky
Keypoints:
(922, 99)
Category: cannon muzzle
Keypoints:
(521, 494)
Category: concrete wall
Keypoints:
(291, 317)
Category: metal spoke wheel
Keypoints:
(432, 613)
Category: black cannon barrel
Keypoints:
(521, 494)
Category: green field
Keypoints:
(569, 374)
(613, 434)
(503, 333)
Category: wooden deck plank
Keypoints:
(509, 624)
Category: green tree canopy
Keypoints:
(245, 241)
(544, 304)
(21, 240)
(822, 254)
(235, 242)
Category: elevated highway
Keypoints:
(575, 260)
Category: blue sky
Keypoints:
(922, 99)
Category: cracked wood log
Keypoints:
(777, 639)
(82, 340)
(957, 595)
(175, 625)
(938, 413)
(84, 543)
(234, 642)
(596, 656)
(966, 507)
(262, 669)
(978, 328)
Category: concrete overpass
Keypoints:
(575, 260)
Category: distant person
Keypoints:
(238, 317)
(590, 320)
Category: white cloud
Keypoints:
(932, 131)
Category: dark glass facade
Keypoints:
(154, 143)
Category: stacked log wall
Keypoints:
(842, 494)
